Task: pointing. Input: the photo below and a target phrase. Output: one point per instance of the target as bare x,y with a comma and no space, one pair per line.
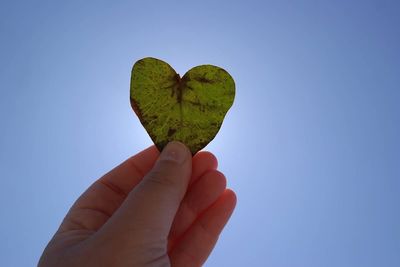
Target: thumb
150,208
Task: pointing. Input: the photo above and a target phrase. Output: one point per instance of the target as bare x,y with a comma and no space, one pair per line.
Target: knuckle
161,177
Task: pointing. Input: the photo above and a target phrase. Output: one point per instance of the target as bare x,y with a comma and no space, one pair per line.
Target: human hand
152,210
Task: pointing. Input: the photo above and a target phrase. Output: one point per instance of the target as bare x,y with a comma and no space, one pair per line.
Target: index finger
97,204
123,178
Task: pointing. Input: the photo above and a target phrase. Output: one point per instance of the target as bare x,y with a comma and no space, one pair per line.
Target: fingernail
174,151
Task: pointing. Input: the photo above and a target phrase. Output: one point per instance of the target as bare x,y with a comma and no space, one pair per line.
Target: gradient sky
311,144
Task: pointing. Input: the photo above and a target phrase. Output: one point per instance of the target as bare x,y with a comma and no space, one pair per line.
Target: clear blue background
311,145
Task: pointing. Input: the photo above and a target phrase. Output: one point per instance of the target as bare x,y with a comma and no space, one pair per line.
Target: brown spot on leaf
171,131
136,109
153,117
204,80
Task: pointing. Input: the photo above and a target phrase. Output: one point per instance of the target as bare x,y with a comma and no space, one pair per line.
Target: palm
199,220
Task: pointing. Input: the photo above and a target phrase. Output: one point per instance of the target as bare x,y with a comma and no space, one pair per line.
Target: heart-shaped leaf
188,109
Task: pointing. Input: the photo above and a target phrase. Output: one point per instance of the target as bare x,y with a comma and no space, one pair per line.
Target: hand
152,210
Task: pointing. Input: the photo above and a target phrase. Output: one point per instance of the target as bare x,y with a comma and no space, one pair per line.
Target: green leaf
188,109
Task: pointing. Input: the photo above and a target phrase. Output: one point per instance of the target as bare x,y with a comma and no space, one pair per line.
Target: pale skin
151,210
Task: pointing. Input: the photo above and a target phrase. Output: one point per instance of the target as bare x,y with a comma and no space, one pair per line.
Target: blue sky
311,144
